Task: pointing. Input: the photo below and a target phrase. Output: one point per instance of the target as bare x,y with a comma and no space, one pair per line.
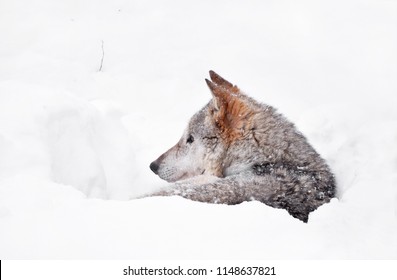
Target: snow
76,142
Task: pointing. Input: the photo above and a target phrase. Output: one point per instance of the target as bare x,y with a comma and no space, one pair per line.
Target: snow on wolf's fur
254,151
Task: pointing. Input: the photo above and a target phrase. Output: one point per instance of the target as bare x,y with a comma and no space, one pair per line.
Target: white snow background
76,142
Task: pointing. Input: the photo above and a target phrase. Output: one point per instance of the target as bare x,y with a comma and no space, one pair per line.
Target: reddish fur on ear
219,81
231,115
234,119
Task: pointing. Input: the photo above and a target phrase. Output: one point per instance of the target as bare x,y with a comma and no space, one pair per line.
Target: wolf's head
205,142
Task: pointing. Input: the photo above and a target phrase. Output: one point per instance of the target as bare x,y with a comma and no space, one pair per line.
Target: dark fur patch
298,186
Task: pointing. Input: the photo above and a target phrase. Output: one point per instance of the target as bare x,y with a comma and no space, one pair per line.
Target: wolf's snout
154,167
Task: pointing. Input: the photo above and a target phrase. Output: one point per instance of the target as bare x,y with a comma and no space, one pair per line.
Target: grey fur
271,161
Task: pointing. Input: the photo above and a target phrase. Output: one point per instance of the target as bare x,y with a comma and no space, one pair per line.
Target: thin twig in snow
103,55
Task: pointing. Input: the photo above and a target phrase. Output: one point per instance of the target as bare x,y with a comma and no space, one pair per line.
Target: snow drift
69,140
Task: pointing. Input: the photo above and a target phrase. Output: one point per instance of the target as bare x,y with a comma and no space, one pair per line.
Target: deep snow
76,143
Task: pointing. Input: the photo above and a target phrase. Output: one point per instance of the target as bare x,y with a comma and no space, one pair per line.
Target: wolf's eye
190,139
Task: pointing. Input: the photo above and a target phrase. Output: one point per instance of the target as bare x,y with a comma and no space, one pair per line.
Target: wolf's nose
154,167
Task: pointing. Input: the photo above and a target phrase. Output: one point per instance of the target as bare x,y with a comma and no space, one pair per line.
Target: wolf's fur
254,153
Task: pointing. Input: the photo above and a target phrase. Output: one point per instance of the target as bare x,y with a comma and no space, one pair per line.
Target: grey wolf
250,152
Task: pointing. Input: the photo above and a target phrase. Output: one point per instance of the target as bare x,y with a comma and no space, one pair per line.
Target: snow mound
65,139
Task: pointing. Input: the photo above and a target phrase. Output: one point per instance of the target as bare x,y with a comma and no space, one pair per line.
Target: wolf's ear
221,90
219,94
219,80
232,115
